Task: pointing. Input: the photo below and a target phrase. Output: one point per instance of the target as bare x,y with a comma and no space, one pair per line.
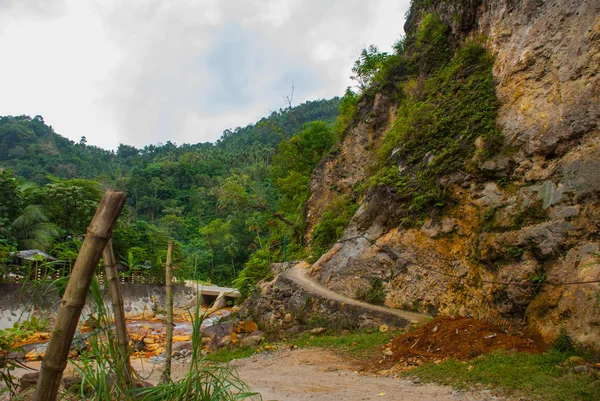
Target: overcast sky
144,71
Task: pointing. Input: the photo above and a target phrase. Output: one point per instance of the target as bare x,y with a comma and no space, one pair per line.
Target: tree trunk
112,279
169,284
98,234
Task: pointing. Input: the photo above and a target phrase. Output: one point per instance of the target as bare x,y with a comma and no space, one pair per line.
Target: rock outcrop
528,218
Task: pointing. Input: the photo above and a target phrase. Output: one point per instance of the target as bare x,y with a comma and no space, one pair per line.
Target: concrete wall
149,299
19,302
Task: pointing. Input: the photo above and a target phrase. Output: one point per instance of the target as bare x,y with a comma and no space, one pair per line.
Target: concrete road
299,276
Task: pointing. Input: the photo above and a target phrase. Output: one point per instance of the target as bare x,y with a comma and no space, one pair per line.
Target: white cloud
148,71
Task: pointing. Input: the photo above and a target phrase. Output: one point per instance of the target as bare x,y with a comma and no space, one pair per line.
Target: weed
316,321
514,252
375,294
563,342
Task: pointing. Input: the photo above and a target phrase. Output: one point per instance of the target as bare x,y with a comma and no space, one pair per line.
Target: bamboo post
73,301
112,280
169,287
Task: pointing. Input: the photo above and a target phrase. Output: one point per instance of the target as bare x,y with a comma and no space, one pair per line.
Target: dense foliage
221,202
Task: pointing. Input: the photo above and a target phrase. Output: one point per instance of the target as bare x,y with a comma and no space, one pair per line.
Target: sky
143,72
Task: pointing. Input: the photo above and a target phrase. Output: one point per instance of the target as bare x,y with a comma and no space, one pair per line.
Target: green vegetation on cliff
445,119
439,121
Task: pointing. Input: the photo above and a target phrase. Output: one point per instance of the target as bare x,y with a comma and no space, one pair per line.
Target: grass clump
545,376
375,294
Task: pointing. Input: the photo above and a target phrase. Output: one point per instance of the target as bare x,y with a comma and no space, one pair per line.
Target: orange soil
446,337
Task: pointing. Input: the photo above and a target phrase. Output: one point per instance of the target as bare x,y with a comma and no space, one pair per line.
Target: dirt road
312,374
299,276
319,375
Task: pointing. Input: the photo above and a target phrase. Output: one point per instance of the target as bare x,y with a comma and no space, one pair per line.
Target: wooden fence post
73,301
112,280
169,287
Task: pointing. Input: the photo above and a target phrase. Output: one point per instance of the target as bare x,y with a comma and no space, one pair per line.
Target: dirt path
312,374
299,276
319,375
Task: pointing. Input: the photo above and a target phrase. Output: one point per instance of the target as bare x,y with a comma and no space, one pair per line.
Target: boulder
252,341
37,353
225,341
295,330
218,331
186,345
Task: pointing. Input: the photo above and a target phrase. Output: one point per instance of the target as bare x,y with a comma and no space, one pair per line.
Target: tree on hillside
71,204
215,234
367,65
238,192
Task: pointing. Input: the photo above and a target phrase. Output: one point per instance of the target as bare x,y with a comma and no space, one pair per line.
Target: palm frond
31,215
32,229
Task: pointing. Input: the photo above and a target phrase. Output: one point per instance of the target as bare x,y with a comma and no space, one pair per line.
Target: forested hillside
221,202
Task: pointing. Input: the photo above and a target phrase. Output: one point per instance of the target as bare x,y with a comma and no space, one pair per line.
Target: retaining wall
20,301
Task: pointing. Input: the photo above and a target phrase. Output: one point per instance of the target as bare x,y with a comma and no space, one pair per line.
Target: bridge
212,295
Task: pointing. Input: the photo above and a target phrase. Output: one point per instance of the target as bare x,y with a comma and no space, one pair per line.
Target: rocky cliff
504,227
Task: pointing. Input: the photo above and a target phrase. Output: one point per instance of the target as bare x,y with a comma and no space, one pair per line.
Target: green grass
228,354
355,344
537,377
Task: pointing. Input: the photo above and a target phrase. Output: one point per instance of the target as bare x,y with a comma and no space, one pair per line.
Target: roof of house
33,254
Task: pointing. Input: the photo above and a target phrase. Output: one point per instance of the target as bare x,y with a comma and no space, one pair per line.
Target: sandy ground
320,375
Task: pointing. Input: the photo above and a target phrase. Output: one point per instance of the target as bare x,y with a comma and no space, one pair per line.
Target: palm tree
32,230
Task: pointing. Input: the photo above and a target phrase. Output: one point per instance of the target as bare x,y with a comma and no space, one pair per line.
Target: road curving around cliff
298,275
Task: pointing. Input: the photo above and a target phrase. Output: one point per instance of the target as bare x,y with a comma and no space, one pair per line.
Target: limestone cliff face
531,215
341,171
